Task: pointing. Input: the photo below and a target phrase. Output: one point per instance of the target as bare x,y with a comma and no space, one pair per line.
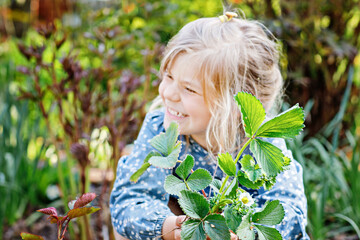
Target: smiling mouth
176,114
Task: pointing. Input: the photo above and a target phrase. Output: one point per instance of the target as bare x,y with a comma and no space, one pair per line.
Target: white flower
246,199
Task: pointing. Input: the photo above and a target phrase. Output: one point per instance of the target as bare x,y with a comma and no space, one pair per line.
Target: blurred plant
74,100
331,175
77,208
21,159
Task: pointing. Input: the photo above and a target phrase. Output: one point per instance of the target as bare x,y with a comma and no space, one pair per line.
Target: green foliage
216,227
269,157
251,169
240,215
286,125
184,169
29,236
199,179
144,166
21,159
193,229
253,112
194,204
266,233
331,175
272,214
165,143
227,165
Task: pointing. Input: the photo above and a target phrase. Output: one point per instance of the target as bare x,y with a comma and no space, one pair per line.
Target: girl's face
182,95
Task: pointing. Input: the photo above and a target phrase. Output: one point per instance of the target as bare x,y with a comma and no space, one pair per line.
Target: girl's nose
172,92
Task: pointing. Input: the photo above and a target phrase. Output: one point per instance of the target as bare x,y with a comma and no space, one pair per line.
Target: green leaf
272,213
233,218
252,112
216,185
269,157
194,204
244,181
136,175
231,190
174,185
192,230
167,161
245,231
269,183
227,164
286,125
78,212
165,143
216,228
251,169
29,236
184,169
199,179
222,203
268,233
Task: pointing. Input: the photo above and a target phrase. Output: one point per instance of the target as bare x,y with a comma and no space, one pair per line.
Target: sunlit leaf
252,112
251,169
78,212
269,157
244,180
231,190
227,164
29,236
286,125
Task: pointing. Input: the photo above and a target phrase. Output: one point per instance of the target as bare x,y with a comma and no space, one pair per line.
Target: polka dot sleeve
138,210
289,189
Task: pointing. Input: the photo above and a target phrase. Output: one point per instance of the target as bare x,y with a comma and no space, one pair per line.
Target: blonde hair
232,56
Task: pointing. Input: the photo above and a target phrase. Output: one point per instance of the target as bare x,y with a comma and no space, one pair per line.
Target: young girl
204,66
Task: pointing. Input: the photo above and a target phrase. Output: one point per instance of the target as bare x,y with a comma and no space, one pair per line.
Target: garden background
76,78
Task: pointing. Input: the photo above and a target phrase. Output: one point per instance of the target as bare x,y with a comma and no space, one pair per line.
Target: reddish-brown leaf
84,199
53,219
29,236
49,211
78,212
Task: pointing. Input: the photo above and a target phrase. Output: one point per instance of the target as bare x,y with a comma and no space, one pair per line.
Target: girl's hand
172,228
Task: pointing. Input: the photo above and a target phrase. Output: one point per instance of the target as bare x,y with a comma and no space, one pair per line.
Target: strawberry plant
231,208
78,208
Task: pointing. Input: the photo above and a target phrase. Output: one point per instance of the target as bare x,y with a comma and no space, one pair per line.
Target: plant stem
236,160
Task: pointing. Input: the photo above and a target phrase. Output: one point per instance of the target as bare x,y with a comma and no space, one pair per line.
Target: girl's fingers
179,220
233,236
177,234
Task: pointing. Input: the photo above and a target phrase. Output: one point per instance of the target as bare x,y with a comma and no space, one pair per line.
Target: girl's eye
190,90
167,75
